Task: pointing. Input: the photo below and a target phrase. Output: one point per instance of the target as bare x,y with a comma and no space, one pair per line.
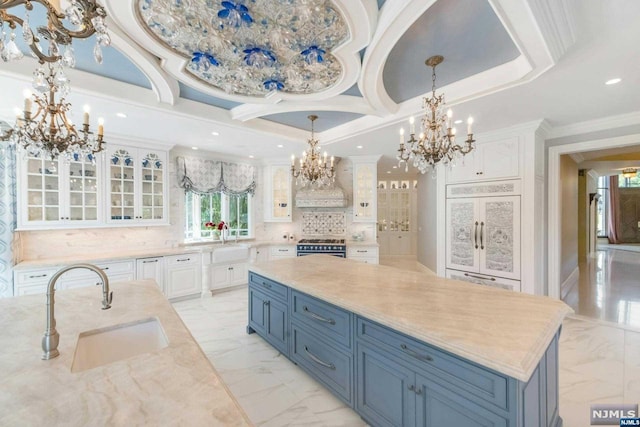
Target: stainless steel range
335,247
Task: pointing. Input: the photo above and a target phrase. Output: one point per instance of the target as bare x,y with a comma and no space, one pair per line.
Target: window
628,182
235,211
602,208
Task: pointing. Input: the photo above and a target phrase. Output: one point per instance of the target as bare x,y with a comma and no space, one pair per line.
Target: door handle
482,235
318,317
317,360
475,235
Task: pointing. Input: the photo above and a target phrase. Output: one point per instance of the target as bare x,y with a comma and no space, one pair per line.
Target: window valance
203,176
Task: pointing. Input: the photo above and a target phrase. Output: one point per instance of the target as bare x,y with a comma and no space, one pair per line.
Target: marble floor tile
608,288
599,363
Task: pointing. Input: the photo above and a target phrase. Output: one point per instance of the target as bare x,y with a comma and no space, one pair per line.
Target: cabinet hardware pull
266,285
39,275
493,279
147,262
283,250
105,268
318,361
318,317
411,387
475,235
184,259
266,302
418,391
415,354
481,235
362,252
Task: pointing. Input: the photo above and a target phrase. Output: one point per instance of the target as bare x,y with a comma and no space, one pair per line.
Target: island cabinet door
437,405
276,325
385,390
257,310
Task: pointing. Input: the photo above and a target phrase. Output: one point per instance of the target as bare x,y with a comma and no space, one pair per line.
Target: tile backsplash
324,223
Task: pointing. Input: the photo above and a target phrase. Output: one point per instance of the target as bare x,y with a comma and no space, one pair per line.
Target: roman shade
204,176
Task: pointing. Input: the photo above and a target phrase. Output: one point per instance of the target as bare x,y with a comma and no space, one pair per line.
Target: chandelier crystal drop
314,170
48,132
436,143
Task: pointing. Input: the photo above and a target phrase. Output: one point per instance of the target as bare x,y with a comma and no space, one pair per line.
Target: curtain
613,225
203,176
8,203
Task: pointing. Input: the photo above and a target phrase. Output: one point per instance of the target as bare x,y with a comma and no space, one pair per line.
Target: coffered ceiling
377,76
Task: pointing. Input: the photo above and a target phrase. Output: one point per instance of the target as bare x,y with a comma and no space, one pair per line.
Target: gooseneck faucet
51,338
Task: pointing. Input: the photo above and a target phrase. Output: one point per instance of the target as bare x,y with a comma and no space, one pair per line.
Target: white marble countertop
502,330
173,386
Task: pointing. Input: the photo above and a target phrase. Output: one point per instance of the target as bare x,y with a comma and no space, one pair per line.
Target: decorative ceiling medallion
252,47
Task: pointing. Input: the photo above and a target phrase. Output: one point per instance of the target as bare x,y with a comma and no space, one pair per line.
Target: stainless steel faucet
51,338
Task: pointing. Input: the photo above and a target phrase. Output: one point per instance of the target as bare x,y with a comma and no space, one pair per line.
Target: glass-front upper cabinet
136,185
277,199
58,193
365,184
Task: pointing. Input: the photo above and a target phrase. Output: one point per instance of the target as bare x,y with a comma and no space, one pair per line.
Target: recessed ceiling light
251,156
359,146
214,133
613,81
194,148
457,122
395,167
280,145
121,115
388,171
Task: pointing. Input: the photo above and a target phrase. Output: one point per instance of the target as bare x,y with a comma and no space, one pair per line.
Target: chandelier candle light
314,169
49,132
436,142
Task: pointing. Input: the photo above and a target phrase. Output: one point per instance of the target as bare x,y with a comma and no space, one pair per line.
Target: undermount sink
229,253
107,345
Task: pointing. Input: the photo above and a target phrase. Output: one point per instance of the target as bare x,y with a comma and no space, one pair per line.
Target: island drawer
462,374
330,321
329,365
268,286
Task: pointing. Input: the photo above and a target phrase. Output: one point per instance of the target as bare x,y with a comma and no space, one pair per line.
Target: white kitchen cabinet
227,275
282,251
118,271
59,193
151,268
32,281
478,279
365,184
490,160
483,236
183,275
396,218
277,193
137,186
366,254
259,254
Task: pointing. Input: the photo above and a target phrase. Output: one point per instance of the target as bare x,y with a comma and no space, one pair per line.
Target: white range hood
321,198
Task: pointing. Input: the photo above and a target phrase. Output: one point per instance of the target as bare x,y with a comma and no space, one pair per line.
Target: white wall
427,225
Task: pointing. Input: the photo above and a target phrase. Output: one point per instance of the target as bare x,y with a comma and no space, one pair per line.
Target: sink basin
107,345
229,253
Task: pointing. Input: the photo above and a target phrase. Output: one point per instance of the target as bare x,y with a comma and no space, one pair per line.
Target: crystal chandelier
313,169
436,142
48,132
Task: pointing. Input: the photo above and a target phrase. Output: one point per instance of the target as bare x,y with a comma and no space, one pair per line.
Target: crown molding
556,25
611,122
577,157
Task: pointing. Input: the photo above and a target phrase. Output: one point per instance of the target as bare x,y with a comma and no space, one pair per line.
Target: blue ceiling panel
467,33
187,92
353,91
326,119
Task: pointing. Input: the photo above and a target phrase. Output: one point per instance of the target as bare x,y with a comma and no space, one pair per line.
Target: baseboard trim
569,283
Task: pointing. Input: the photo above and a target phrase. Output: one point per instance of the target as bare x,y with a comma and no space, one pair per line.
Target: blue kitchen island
409,349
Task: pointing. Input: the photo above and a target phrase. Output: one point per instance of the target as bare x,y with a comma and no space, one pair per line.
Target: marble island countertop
175,385
502,330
